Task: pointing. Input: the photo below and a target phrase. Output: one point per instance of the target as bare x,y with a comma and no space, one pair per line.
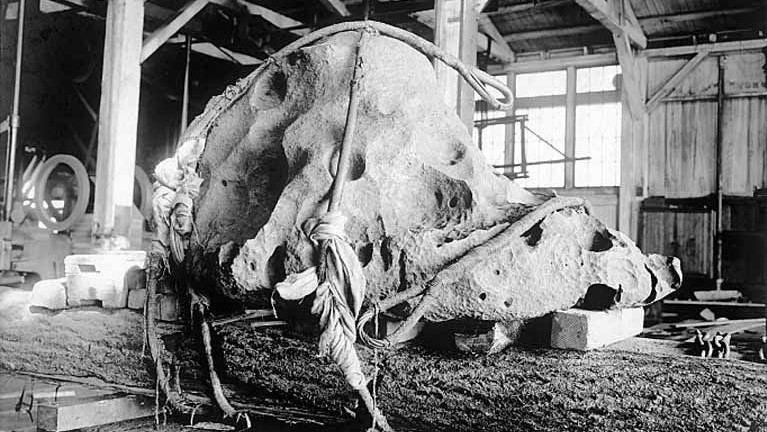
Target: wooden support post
118,117
508,153
673,82
570,127
633,150
628,62
455,31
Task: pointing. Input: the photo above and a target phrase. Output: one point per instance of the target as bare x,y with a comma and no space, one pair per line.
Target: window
598,127
542,107
491,138
544,141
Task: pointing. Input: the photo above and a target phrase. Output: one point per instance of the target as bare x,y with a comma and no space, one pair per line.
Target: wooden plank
82,413
171,27
612,14
675,80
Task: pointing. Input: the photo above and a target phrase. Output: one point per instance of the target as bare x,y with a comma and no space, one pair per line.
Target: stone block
50,294
584,330
136,299
104,277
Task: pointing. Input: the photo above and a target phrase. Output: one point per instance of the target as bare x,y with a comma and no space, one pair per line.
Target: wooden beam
497,50
552,32
455,31
337,7
90,412
669,86
631,86
171,27
713,48
502,49
118,118
693,16
533,6
588,60
275,18
615,16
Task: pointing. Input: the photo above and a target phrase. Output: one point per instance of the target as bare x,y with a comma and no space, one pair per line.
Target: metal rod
543,162
185,98
13,136
719,138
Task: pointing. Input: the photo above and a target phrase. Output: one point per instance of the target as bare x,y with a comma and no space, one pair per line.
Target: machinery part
145,188
83,193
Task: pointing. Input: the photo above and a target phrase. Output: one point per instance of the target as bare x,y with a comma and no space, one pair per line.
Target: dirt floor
636,385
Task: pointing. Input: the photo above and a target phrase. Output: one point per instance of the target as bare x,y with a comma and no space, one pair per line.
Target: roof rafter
618,17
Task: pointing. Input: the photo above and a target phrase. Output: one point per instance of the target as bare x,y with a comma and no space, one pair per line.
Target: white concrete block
136,299
101,277
49,294
585,330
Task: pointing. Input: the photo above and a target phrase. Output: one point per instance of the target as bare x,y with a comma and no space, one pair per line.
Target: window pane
549,124
492,138
598,135
597,79
542,84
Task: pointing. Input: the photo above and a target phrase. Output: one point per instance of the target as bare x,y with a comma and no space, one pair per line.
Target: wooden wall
682,131
680,155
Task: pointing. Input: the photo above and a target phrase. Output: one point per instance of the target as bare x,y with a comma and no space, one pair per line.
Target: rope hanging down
338,280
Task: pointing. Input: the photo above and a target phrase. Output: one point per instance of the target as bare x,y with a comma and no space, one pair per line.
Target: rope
458,267
338,297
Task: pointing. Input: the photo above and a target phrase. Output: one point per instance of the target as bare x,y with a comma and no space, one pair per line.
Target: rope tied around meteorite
339,285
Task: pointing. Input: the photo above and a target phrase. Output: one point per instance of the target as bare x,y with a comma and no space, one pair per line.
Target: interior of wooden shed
653,111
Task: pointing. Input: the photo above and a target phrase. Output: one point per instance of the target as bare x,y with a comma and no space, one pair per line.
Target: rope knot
329,227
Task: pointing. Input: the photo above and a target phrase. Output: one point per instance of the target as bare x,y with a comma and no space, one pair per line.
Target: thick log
277,373
521,389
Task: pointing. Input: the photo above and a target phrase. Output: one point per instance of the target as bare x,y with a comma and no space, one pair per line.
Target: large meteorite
430,222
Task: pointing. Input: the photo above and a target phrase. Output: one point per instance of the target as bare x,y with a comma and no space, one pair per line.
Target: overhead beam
530,6
712,48
275,18
337,7
502,49
669,86
499,49
528,66
693,16
552,32
616,16
171,27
